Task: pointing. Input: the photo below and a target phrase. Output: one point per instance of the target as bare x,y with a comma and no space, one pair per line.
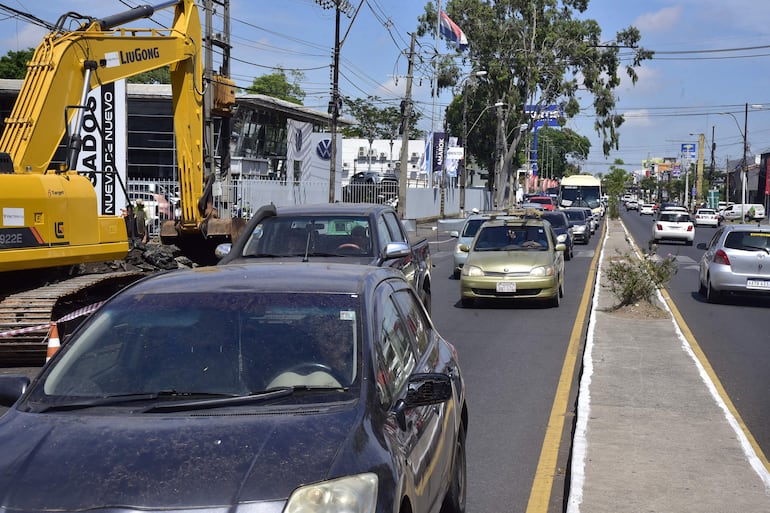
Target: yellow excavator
49,215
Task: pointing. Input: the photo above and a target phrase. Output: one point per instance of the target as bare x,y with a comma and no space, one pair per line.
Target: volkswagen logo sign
324,149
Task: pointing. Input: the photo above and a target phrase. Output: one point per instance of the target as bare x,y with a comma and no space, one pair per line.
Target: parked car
581,226
327,233
735,262
513,259
371,187
675,226
261,387
647,209
707,217
744,211
561,226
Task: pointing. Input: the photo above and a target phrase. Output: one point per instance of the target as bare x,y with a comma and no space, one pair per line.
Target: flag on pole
452,32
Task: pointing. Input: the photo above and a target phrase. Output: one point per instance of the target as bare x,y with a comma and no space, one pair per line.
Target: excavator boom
49,216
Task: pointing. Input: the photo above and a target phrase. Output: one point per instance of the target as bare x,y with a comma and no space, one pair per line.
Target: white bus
581,190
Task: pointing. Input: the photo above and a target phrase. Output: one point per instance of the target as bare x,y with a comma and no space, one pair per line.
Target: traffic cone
53,341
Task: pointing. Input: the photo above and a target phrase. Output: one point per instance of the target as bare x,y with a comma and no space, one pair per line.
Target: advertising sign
102,158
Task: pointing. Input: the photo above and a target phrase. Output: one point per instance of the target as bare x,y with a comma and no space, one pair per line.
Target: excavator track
25,317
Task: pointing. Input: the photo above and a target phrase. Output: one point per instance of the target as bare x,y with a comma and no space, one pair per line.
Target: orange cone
53,341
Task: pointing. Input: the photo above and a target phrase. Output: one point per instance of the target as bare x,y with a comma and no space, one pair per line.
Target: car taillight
720,257
660,226
690,228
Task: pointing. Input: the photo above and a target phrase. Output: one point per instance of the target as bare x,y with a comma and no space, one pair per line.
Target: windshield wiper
265,395
111,400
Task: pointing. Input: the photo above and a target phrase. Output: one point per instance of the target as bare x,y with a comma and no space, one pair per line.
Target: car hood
510,261
67,462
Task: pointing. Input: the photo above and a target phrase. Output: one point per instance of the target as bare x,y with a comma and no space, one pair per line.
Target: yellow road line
540,494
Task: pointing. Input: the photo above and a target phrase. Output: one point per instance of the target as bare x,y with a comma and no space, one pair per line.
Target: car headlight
545,270
350,494
562,238
473,270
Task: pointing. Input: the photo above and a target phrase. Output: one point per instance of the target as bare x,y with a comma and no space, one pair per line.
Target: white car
673,225
647,209
707,217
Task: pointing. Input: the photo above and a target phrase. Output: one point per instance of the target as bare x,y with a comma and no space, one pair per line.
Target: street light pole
463,170
745,170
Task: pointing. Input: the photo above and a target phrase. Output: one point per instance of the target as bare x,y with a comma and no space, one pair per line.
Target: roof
267,278
160,91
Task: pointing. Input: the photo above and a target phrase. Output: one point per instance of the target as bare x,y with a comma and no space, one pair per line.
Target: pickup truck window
394,227
293,236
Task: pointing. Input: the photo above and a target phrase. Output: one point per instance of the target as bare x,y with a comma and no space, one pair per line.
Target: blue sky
712,57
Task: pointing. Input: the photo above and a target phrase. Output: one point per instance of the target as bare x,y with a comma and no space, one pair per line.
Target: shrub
632,279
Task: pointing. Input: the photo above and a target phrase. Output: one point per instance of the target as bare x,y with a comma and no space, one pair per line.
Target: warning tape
73,315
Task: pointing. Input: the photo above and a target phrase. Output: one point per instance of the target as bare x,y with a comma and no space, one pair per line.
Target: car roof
344,209
266,277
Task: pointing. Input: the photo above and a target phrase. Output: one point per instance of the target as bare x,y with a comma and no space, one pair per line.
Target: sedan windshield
173,347
506,238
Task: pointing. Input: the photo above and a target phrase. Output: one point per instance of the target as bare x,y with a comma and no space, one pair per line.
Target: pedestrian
750,214
141,222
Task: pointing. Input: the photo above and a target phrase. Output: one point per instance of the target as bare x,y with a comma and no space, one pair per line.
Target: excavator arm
50,217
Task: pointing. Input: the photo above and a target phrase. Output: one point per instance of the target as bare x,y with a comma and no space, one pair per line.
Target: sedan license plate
506,286
758,284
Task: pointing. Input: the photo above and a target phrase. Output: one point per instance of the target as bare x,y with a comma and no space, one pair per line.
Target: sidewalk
653,434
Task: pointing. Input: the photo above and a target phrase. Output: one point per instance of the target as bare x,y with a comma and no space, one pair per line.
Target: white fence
246,196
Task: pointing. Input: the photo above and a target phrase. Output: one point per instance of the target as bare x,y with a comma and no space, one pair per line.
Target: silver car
737,260
465,236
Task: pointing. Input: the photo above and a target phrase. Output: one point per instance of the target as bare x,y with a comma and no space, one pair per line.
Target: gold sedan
513,259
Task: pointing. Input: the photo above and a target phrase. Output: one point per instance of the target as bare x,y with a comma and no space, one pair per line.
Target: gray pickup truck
365,233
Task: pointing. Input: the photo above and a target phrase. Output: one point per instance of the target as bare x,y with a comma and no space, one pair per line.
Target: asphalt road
734,336
512,355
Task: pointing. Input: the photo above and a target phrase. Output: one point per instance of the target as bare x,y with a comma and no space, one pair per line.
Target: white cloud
26,36
660,21
637,118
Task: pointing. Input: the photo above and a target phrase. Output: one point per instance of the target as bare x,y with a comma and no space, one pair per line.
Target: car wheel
454,502
466,302
712,295
688,242
701,288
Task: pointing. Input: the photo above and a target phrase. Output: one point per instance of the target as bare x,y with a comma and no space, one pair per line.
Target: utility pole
699,188
406,113
335,104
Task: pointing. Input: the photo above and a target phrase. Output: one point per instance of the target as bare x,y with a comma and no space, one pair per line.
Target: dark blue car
561,226
281,387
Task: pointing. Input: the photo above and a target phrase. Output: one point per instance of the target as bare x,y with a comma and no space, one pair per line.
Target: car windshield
191,345
556,220
507,238
471,227
575,215
283,236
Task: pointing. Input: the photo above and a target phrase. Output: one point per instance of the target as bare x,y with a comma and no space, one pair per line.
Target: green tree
277,85
536,53
155,76
614,184
14,64
376,122
556,147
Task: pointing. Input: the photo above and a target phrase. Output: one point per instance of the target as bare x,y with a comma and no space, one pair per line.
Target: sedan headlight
473,270
545,270
351,494
562,238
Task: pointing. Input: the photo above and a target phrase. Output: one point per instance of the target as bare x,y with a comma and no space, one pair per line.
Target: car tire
701,288
688,242
454,501
713,295
466,302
